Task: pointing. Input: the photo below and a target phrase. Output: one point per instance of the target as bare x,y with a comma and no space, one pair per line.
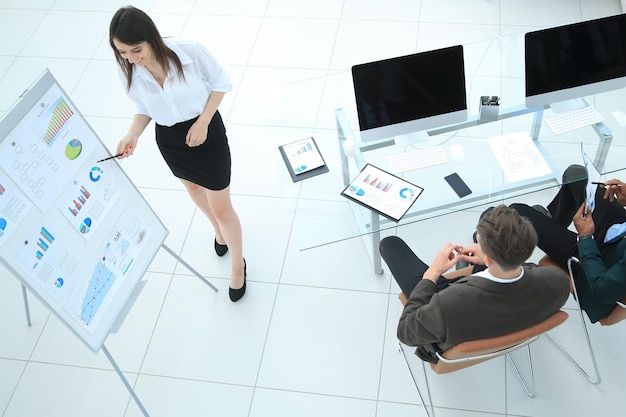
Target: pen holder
488,109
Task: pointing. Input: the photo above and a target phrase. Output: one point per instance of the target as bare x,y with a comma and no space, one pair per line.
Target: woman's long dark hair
132,26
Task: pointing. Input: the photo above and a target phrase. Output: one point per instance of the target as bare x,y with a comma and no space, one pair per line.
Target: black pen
606,185
110,157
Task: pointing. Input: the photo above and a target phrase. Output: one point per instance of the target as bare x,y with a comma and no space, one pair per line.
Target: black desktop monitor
576,60
410,94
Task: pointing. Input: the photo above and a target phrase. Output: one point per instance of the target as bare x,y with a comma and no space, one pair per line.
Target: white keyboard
412,160
572,120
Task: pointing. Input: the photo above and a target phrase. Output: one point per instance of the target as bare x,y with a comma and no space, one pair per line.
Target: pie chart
356,190
95,174
85,225
407,193
3,226
73,149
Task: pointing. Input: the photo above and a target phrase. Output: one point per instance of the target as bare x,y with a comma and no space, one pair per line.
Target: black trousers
406,268
555,239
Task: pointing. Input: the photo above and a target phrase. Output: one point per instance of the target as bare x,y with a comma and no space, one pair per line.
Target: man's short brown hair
506,237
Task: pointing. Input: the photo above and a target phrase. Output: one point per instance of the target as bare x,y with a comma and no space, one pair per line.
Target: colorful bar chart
379,185
79,201
305,148
46,235
59,115
43,243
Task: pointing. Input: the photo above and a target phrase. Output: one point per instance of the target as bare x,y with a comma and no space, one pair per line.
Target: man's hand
584,223
615,190
472,254
445,259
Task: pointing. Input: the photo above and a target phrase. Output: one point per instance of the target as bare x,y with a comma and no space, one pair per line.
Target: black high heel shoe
236,294
220,249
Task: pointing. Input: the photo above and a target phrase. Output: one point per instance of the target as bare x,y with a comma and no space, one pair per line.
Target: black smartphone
458,185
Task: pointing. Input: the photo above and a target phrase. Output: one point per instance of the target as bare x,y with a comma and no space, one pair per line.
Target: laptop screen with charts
385,193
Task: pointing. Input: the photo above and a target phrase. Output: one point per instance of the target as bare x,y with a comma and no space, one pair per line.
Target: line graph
99,285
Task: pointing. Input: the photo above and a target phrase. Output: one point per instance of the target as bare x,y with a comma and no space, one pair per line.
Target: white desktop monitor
576,60
399,97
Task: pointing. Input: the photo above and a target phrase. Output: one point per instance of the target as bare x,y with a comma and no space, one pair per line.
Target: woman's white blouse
180,99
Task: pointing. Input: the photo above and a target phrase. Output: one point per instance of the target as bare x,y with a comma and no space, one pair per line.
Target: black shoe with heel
236,294
220,249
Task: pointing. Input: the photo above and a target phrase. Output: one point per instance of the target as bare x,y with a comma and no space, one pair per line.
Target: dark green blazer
603,278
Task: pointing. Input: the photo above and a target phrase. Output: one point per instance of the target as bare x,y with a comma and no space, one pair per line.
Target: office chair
617,315
471,353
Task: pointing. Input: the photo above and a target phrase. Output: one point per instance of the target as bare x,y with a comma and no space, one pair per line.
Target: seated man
502,298
600,243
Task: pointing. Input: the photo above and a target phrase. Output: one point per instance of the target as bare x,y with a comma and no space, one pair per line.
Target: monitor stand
567,105
411,138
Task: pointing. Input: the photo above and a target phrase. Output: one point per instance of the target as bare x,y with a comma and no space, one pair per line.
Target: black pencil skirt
208,165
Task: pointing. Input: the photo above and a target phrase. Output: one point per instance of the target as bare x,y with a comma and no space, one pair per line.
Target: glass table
493,68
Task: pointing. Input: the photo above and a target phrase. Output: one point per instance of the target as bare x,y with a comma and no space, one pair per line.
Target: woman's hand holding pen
615,190
126,146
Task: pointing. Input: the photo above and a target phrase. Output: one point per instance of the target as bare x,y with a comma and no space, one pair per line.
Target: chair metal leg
531,391
430,413
593,379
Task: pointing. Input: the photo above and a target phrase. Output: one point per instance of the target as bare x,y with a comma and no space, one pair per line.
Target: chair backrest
403,298
473,352
547,261
618,314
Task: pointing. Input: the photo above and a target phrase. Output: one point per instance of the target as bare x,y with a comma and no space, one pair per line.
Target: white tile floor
315,334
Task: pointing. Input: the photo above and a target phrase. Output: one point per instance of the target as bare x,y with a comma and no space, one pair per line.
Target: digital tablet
303,159
385,193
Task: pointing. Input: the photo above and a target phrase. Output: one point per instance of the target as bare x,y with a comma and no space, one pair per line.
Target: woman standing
179,85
